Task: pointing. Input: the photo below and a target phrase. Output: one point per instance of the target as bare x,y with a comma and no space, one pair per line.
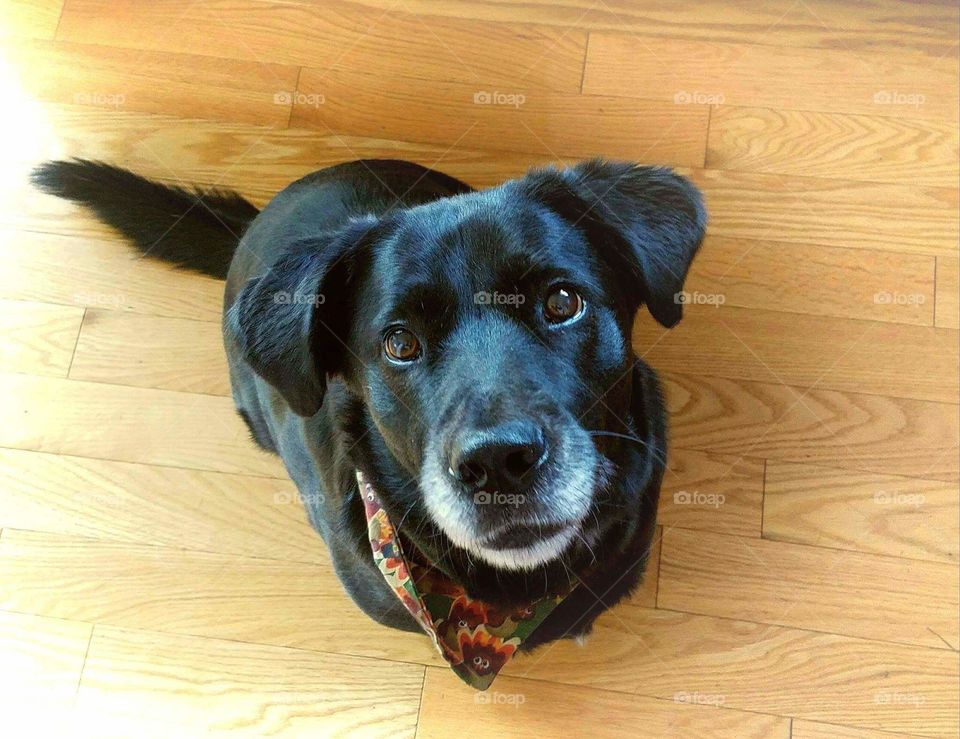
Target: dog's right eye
563,305
401,345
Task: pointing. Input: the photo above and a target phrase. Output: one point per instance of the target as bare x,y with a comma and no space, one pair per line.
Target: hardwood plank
514,707
161,506
825,24
806,351
256,160
861,511
823,281
340,36
38,338
188,85
149,351
900,84
208,685
536,121
42,661
837,429
757,667
838,591
101,273
29,18
814,730
852,147
88,419
712,492
263,601
831,212
948,288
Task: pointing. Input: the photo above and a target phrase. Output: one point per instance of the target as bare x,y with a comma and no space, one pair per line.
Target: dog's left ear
291,323
647,222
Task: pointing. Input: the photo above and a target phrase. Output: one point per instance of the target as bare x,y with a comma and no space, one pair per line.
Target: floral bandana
476,638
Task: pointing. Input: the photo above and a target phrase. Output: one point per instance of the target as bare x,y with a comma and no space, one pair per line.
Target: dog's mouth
518,531
523,535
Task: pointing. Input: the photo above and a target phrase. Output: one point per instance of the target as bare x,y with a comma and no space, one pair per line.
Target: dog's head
488,336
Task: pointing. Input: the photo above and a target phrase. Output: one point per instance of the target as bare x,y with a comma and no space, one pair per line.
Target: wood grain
161,506
537,121
806,351
89,419
712,492
550,710
838,591
188,85
823,281
101,273
904,84
880,514
29,18
340,36
140,586
42,660
853,147
38,338
816,730
831,212
756,667
823,24
827,427
948,292
218,686
149,351
257,161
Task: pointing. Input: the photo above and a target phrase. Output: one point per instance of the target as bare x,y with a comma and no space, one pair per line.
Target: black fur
342,255
196,230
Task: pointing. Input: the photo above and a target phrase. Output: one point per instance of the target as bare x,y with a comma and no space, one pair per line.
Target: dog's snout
502,458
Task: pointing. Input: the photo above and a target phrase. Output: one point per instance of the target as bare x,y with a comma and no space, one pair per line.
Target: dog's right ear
291,323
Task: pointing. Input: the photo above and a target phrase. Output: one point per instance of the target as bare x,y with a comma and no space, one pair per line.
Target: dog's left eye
563,304
401,344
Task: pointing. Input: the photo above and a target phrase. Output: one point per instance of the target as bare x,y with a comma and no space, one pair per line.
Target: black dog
383,317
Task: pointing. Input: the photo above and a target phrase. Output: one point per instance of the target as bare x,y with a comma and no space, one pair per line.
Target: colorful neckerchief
476,638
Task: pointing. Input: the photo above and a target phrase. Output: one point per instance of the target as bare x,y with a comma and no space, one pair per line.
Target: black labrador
468,351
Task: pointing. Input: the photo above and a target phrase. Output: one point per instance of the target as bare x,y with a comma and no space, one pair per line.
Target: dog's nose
502,458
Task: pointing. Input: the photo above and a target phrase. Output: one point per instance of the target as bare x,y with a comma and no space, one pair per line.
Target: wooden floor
157,576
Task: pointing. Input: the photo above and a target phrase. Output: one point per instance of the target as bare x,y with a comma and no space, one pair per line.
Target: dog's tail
196,230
